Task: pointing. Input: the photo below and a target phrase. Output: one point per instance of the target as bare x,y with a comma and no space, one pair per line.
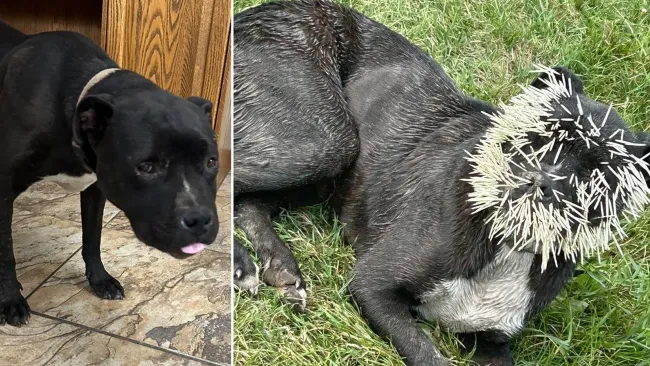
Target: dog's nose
537,181
197,220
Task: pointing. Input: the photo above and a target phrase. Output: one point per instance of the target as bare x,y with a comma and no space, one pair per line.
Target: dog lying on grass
332,106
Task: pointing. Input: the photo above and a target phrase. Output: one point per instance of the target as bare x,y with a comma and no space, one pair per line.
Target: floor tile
49,342
119,222
48,198
41,244
182,305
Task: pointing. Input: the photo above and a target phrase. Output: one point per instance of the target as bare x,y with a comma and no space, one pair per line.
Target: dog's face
577,157
573,180
155,157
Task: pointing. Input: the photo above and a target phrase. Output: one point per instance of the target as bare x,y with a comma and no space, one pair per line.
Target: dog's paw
107,288
282,272
246,272
247,281
295,296
14,311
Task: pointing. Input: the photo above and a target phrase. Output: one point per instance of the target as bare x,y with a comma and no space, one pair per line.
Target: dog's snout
547,190
197,220
538,182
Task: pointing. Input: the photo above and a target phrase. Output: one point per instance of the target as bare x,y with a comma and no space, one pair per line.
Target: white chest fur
72,184
496,298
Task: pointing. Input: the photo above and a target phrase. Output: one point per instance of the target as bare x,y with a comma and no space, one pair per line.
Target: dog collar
94,80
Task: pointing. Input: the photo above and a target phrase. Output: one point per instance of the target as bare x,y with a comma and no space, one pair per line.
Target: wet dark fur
124,120
330,104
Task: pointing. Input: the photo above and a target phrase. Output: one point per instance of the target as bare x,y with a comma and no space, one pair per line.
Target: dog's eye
146,167
154,166
212,162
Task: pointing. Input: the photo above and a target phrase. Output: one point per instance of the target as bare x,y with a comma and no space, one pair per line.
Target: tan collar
95,79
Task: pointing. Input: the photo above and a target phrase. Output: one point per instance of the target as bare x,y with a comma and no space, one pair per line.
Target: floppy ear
91,118
204,104
576,83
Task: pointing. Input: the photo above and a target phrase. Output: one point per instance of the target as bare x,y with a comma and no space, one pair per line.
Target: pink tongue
193,248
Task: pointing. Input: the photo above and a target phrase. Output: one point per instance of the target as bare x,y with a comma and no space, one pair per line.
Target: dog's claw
290,285
108,288
295,296
14,312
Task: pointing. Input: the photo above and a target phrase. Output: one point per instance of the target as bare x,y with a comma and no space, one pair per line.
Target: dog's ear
204,104
570,79
92,116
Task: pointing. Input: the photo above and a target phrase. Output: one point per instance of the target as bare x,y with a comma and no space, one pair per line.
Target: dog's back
271,129
9,38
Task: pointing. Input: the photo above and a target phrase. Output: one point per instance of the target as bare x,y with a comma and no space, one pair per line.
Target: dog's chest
497,298
72,184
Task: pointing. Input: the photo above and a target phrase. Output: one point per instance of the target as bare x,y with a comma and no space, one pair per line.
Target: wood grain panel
34,16
204,42
156,38
218,80
216,53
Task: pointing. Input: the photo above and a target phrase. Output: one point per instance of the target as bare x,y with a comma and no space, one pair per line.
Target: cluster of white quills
526,220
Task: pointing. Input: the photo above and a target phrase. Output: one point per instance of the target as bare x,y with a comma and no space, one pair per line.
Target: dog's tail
10,37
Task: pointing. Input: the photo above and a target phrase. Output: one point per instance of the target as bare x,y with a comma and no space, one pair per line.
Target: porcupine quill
525,220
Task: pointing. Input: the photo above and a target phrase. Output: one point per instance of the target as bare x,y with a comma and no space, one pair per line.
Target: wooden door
35,16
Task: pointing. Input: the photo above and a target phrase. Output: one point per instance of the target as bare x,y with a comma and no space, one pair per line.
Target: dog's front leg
253,215
92,210
14,309
389,315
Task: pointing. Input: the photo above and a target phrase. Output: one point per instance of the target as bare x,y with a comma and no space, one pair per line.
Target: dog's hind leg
487,351
254,214
291,129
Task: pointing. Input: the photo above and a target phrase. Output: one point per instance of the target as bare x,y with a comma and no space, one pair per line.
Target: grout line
157,348
104,226
53,272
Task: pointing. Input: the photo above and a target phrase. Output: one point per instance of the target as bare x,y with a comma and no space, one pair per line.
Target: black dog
330,104
69,115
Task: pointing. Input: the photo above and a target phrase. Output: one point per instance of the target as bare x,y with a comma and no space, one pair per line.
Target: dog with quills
460,212
70,115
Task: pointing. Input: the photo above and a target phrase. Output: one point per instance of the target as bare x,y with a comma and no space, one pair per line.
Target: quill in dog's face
575,179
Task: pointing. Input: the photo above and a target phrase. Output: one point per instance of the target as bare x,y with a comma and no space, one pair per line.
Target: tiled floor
175,312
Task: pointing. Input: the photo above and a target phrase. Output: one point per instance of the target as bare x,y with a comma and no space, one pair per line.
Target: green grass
487,47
